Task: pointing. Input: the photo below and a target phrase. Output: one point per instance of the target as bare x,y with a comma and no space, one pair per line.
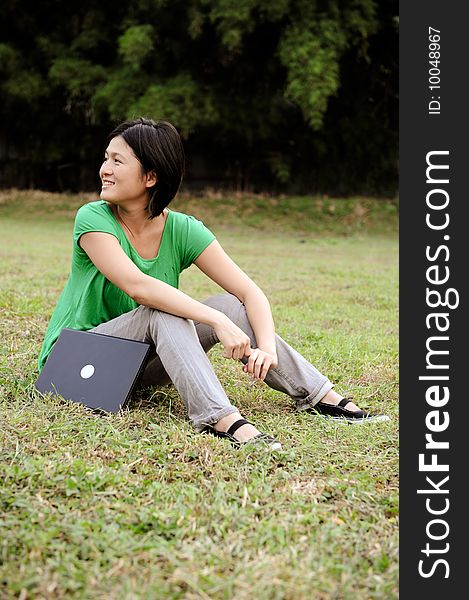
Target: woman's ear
151,179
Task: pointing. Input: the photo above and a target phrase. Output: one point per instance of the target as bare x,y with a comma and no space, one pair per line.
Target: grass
137,505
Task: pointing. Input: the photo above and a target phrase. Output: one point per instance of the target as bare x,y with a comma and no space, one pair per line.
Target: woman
129,250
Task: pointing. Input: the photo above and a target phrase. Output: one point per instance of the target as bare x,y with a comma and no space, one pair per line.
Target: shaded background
291,96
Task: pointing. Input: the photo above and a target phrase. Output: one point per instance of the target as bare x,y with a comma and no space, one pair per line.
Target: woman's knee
226,303
160,320
235,310
155,314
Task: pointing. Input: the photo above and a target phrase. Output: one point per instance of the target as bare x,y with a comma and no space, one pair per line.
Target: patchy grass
302,215
137,505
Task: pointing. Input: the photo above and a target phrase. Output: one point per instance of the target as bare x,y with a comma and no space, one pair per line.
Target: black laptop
96,370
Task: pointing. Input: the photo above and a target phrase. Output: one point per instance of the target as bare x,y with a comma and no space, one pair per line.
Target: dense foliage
268,94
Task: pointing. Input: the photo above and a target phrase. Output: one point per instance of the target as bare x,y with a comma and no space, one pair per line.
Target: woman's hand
237,345
259,362
235,342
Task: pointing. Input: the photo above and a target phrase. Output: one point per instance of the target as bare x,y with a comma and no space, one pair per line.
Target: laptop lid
96,370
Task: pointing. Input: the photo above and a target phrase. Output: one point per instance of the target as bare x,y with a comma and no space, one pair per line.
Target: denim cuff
315,396
199,424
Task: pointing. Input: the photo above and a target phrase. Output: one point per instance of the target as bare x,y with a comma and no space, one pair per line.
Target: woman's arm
108,257
217,265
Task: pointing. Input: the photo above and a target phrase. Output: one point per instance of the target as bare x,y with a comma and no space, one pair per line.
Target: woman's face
122,175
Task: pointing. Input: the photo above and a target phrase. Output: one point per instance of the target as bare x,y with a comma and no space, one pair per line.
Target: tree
262,88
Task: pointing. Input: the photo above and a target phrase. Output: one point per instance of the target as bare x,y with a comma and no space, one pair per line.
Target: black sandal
338,412
260,438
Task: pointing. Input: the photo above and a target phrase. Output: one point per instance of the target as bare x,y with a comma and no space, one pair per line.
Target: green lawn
138,505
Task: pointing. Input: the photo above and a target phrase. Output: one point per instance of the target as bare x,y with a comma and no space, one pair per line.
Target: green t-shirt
90,299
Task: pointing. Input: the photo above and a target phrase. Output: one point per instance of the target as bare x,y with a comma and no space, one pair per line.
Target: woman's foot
243,434
333,398
240,432
336,407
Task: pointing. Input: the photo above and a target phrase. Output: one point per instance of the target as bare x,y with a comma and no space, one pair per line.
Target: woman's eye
117,161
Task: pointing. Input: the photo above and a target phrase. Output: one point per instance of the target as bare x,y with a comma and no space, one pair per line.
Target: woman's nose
106,168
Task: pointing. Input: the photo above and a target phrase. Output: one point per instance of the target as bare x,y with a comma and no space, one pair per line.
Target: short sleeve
90,217
197,237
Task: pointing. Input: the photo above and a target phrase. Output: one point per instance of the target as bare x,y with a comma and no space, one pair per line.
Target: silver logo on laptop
87,372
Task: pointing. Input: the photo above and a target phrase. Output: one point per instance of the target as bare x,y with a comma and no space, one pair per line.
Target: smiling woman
121,173
129,250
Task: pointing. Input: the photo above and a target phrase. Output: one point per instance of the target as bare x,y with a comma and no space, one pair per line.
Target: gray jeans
179,349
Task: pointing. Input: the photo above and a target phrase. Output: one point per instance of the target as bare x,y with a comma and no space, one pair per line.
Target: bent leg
178,357
294,375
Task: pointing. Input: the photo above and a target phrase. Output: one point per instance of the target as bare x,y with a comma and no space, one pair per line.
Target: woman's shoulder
95,207
190,233
183,220
95,216
95,212
178,216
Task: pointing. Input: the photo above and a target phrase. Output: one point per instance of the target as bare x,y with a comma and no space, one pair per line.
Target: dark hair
158,147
